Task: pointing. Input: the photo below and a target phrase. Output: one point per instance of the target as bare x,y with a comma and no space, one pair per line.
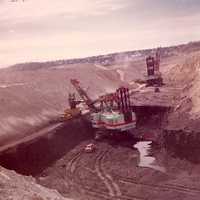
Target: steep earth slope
186,75
31,98
18,187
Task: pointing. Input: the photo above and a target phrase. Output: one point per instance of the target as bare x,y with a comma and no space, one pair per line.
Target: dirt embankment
186,75
18,187
182,133
31,158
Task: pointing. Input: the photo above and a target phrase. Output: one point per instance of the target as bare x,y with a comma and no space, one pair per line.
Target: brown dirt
112,172
17,187
186,114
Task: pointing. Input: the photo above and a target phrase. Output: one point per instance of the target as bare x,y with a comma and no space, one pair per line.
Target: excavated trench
183,144
33,157
153,116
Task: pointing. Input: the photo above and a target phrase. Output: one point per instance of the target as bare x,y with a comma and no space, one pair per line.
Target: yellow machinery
71,113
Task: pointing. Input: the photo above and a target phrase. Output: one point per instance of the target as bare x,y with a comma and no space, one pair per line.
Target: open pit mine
122,126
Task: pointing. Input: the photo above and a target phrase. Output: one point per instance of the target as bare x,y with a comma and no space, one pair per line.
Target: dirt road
112,172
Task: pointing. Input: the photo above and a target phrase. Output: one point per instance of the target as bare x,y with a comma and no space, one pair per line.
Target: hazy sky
36,30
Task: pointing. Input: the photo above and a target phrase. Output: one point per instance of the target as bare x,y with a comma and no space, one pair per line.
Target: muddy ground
119,170
113,172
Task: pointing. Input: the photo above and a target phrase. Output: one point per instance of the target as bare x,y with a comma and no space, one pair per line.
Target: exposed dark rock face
183,144
33,157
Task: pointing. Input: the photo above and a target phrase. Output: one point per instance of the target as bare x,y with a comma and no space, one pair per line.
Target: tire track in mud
71,165
70,168
184,188
74,177
113,188
164,187
111,191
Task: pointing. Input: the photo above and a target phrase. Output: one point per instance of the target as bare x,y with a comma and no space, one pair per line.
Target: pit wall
153,116
31,158
183,144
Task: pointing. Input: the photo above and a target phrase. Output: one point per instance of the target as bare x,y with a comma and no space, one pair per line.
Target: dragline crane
114,112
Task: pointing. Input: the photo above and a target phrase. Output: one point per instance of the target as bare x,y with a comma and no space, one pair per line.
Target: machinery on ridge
153,70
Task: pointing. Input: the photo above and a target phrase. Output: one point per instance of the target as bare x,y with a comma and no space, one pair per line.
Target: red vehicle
90,148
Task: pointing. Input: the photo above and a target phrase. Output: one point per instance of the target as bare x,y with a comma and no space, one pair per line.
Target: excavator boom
83,94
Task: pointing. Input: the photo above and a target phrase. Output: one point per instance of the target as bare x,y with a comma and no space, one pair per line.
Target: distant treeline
110,59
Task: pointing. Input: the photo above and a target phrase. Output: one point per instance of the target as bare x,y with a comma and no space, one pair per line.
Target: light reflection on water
144,148
11,85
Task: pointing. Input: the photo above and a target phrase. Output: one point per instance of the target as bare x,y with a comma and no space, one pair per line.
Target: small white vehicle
89,148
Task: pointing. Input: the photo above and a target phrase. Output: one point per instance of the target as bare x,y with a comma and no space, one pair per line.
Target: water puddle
146,160
11,85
